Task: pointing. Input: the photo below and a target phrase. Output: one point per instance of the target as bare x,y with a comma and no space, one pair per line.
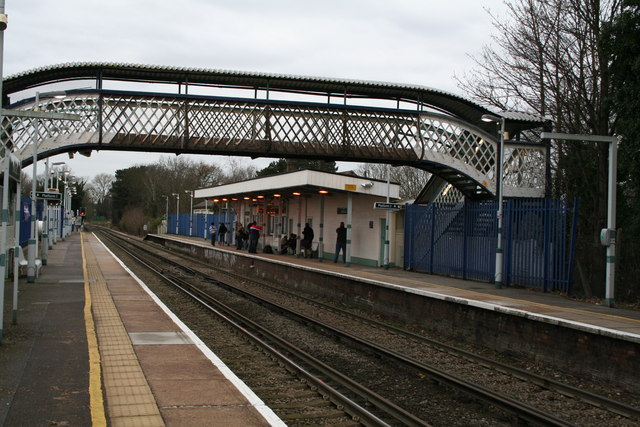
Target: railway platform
547,307
92,347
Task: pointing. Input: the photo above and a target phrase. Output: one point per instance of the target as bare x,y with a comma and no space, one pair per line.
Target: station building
282,204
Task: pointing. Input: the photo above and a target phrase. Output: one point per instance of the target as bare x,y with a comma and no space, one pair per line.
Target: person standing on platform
222,231
241,235
341,243
254,235
307,238
212,232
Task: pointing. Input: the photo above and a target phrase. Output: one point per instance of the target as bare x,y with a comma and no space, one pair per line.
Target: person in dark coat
307,238
221,233
341,243
254,235
241,236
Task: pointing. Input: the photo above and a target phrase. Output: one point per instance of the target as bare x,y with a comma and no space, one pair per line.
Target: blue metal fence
201,223
459,240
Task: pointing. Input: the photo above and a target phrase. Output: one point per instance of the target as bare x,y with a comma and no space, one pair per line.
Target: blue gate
459,240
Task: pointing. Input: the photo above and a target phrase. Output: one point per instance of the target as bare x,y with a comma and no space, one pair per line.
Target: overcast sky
422,42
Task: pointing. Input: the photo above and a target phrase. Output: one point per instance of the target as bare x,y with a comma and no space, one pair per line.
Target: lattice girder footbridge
451,147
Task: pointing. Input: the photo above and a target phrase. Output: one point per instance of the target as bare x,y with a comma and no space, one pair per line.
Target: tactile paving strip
127,393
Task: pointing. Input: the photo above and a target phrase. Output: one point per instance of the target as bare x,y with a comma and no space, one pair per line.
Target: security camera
3,21
367,184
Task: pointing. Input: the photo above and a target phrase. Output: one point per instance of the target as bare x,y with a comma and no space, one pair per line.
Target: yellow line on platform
96,401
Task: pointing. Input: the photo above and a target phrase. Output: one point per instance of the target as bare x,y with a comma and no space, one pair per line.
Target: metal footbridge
196,111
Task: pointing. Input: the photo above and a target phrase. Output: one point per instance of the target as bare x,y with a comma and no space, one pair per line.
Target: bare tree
411,179
101,187
547,58
236,171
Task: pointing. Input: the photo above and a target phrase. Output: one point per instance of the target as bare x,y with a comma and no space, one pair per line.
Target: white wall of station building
283,203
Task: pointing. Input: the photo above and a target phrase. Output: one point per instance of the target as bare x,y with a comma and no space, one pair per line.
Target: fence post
432,243
547,242
572,248
465,234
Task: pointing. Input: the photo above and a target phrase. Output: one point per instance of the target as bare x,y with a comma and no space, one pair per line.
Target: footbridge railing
463,154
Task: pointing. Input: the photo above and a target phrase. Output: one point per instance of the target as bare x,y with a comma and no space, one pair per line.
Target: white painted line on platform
253,399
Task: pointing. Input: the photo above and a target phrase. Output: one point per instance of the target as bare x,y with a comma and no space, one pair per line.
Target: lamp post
387,218
70,193
499,192
607,235
56,219
166,213
177,209
33,238
190,192
5,194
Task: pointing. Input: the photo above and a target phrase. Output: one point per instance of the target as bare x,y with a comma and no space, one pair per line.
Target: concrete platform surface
93,346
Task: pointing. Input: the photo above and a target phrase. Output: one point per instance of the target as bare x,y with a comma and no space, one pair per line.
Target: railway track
400,354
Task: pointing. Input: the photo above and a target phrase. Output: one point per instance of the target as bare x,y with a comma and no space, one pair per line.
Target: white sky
422,42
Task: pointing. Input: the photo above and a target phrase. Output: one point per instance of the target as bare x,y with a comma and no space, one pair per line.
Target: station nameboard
387,206
48,196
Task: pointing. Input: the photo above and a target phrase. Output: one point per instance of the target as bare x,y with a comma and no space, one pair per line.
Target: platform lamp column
52,210
177,196
166,213
206,211
70,194
349,220
46,214
5,194
33,239
387,217
607,235
190,192
57,217
499,191
16,253
63,213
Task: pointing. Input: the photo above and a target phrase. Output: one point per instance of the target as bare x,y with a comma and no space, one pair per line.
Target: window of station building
399,223
271,225
284,225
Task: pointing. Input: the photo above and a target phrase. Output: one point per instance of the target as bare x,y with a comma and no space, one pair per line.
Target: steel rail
245,325
599,401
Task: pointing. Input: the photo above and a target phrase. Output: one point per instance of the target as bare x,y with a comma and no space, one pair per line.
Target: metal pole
16,256
611,223
499,252
45,219
611,202
386,227
321,240
349,219
5,220
177,211
5,193
190,213
206,211
166,214
33,239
